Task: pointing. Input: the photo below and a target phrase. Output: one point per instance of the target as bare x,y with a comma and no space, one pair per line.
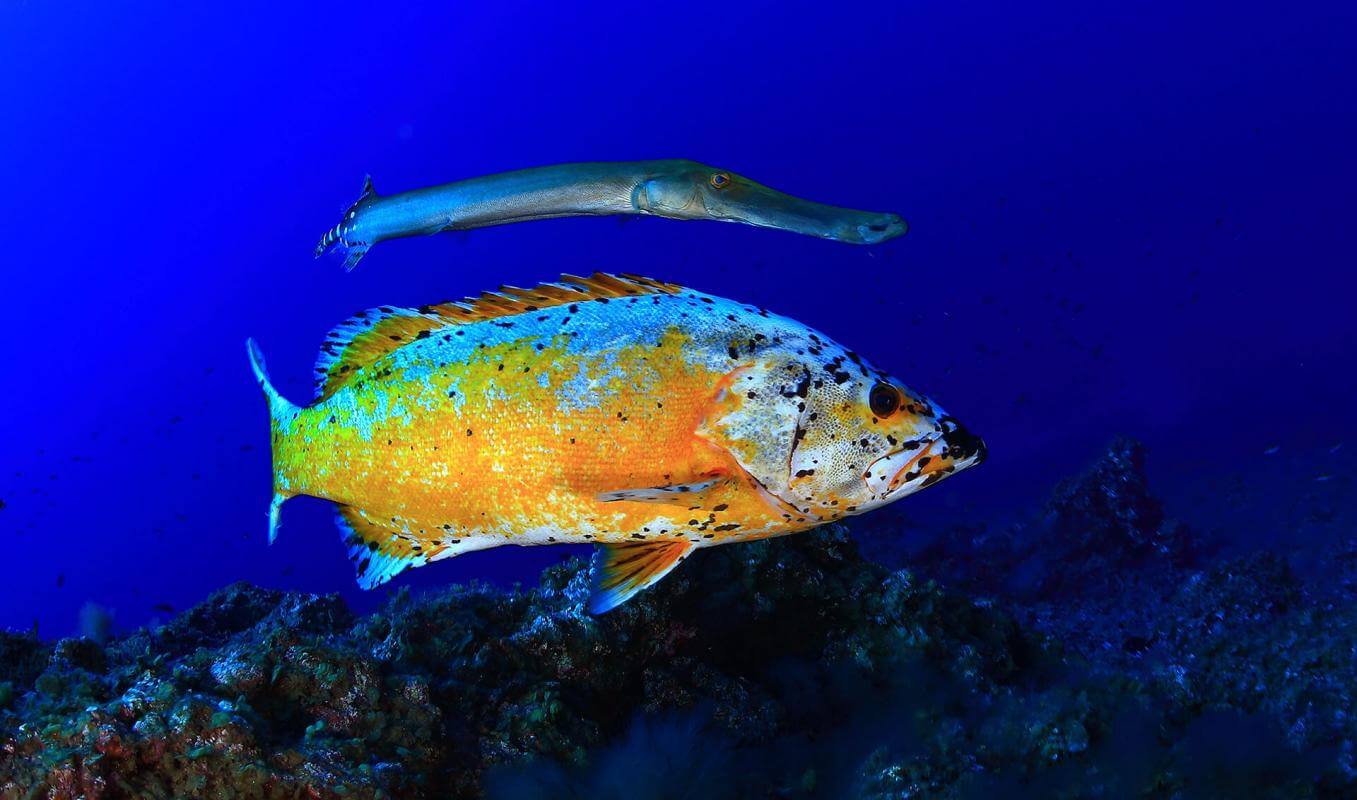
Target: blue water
1127,218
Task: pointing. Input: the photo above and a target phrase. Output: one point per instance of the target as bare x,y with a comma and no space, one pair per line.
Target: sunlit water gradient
1126,218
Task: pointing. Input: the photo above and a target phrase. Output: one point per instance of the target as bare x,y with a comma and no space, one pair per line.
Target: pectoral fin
679,493
619,571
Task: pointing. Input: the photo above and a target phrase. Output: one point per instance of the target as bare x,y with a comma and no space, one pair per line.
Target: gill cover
674,195
756,418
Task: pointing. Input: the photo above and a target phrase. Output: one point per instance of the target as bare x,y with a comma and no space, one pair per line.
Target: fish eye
884,400
720,180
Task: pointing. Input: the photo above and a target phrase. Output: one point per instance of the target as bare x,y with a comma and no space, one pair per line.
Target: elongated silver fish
674,189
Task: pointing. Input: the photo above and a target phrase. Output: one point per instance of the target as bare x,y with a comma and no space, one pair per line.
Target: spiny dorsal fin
372,334
511,300
619,571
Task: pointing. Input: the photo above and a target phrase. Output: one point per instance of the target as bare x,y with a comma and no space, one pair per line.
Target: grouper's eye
720,180
884,400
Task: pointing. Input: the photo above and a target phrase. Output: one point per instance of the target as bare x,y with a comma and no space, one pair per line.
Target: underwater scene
791,400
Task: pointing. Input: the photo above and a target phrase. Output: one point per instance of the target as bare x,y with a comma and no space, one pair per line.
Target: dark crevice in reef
1099,649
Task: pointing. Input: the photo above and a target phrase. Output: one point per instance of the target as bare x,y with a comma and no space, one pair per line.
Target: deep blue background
1127,217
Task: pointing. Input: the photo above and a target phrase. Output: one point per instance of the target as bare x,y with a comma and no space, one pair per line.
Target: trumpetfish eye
884,400
720,180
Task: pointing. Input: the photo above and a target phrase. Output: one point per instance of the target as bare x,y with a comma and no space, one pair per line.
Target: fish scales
662,421
476,431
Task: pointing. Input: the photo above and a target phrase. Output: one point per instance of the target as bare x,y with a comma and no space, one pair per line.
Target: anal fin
378,553
619,571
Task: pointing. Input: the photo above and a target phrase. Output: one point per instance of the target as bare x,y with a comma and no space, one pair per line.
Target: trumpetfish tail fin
279,408
340,236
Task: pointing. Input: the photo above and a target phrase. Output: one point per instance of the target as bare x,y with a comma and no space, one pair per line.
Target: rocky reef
1097,650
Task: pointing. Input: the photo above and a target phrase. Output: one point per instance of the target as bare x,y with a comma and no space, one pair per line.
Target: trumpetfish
673,189
645,418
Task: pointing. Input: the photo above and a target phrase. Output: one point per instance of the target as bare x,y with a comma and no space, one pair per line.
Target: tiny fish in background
640,416
673,189
1273,450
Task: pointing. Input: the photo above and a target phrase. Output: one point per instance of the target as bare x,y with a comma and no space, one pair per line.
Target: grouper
642,417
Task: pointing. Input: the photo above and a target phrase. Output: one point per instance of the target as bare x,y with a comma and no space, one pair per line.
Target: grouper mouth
923,462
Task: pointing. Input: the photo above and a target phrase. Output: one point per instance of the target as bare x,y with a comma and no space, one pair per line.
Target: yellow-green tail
278,408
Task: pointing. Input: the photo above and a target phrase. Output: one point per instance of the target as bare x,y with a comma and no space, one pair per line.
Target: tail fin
341,236
278,407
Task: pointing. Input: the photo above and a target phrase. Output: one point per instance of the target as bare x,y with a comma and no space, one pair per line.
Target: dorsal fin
511,300
372,334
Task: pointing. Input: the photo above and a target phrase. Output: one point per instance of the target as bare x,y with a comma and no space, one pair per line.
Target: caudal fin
278,408
344,238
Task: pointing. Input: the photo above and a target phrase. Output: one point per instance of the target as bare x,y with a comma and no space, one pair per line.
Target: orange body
633,414
488,451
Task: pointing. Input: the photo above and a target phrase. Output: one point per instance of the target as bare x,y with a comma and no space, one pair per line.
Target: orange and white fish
640,416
